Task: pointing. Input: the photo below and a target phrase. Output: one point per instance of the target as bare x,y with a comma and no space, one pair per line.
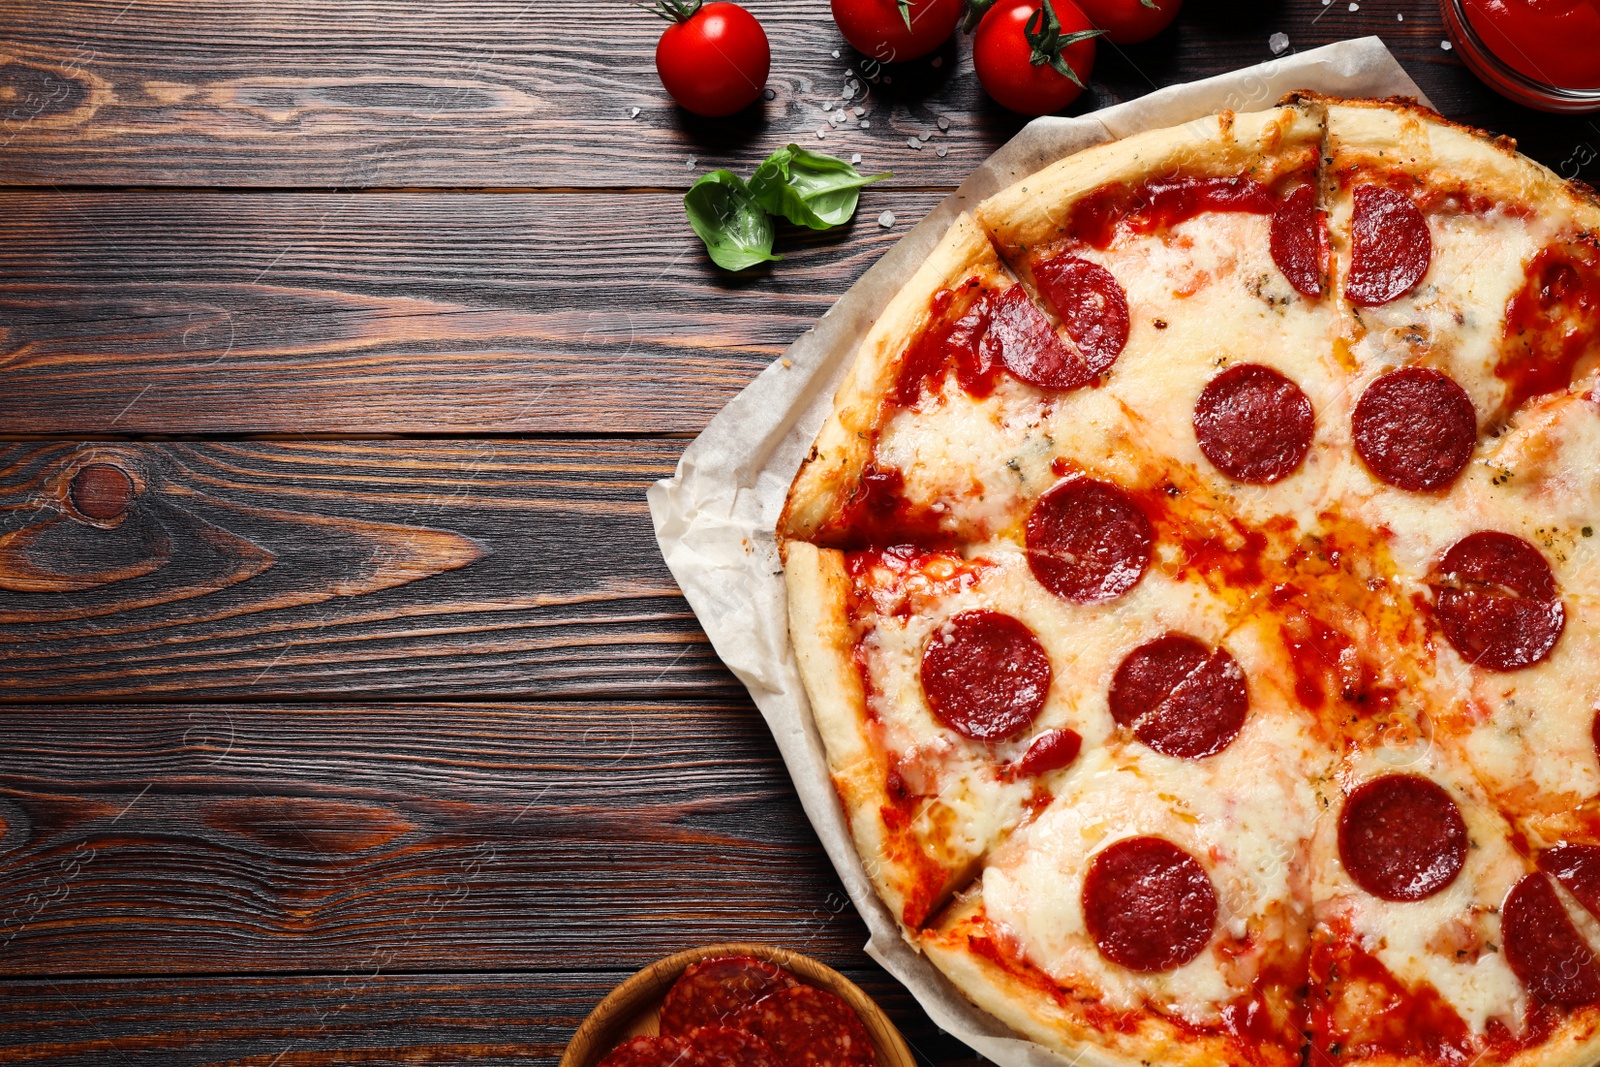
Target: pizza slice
1158,910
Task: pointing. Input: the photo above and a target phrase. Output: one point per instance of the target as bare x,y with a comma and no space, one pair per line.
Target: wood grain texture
497,568
501,93
333,1020
373,839
394,313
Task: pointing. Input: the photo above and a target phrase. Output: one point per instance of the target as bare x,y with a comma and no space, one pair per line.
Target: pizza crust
1034,212
832,469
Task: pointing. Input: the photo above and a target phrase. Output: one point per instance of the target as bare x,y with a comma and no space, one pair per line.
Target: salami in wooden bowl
634,1008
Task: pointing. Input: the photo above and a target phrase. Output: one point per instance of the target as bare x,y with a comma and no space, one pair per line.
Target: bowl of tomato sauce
1542,53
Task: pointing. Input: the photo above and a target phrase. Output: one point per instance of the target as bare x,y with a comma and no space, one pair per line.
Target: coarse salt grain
689,164
1399,16
633,112
865,124
1355,7
886,220
1279,43
1446,45
941,151
914,143
827,105
860,111
835,53
821,135
944,123
855,157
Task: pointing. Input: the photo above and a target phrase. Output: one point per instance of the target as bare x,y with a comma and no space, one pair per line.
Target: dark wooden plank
372,839
393,313
507,94
491,568
519,1020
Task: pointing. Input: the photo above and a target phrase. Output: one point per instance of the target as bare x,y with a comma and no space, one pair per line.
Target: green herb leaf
809,188
737,232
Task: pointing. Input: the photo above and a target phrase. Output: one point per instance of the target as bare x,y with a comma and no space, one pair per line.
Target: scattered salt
914,143
1446,45
827,105
1355,7
633,112
1279,43
1398,17
835,53
860,111
944,123
689,165
886,220
821,135
941,151
865,124
855,157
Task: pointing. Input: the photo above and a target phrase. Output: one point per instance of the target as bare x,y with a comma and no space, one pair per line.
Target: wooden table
352,716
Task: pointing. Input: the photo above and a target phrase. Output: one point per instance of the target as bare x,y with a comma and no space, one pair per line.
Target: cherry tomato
877,28
713,59
1130,21
1004,57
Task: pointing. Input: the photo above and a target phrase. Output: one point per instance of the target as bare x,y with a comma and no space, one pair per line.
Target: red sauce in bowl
1543,53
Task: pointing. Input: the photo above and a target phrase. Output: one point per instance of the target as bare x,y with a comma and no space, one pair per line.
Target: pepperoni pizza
1195,588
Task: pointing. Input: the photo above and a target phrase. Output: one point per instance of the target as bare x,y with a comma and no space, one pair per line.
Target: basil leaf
735,229
809,188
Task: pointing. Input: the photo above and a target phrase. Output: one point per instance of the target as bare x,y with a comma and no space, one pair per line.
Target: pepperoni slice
1402,838
809,1027
1415,429
1050,751
1088,541
1578,868
1253,424
1544,949
1497,601
1180,697
1022,339
1148,904
1389,246
1092,306
713,992
723,1046
653,1052
985,674
1299,240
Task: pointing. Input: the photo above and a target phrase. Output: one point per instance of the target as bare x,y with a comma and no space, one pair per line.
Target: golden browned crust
832,469
1060,1024
1034,213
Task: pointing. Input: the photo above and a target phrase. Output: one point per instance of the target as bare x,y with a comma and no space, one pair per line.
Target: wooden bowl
634,1007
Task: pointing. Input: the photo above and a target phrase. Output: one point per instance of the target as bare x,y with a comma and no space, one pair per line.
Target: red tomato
876,28
1130,21
712,59
1004,57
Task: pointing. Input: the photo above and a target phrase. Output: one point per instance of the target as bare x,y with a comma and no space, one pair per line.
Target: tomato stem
905,13
673,10
973,14
1043,31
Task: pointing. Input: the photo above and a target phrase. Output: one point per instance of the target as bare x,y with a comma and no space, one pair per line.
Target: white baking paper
715,517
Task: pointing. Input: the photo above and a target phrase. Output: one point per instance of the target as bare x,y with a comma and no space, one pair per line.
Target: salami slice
1544,949
1088,541
1253,424
1577,867
1148,904
724,1046
1299,241
809,1027
985,674
1092,306
1497,601
653,1052
1415,428
1390,248
1402,837
1050,751
1180,697
1023,340
713,992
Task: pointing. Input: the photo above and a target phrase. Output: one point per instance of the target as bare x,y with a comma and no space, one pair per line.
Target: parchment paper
714,519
